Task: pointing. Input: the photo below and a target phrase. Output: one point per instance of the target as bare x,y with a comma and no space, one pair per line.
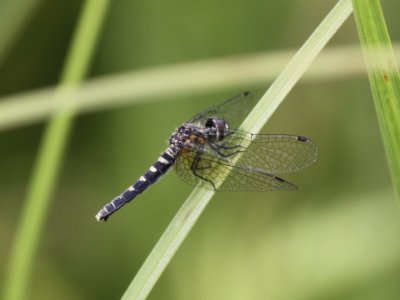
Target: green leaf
383,74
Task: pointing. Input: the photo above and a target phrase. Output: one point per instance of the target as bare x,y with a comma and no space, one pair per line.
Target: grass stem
48,162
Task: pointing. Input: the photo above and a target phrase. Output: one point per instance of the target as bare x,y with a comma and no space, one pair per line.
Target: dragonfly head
216,128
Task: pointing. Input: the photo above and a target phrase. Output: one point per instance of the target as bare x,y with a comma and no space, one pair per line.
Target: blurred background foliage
337,237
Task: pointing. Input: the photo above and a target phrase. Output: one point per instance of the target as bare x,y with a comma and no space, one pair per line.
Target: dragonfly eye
210,123
218,128
216,123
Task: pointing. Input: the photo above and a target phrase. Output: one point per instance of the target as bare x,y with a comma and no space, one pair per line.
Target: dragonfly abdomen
161,166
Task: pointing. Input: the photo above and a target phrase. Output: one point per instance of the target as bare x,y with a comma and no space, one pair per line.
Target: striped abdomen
164,162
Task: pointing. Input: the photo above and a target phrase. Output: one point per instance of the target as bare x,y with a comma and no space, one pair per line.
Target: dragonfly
209,152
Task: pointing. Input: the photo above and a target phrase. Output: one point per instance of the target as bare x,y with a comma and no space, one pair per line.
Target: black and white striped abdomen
161,166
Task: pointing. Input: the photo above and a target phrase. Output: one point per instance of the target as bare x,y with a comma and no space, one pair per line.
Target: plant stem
50,155
383,74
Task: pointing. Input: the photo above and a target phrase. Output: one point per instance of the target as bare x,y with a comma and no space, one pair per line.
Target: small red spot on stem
386,77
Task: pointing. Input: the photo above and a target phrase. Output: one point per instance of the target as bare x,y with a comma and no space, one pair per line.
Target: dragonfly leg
195,166
223,146
217,148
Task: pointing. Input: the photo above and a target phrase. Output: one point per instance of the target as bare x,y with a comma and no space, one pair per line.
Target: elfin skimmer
205,151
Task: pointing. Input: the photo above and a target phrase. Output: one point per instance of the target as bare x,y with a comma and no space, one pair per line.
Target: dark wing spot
302,139
279,179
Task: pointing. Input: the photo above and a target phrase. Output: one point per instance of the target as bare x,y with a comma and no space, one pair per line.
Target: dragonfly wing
231,111
272,153
217,173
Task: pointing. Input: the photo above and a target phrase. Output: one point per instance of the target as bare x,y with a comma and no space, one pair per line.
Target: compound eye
210,123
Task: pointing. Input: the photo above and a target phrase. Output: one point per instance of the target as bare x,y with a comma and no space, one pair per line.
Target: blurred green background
337,237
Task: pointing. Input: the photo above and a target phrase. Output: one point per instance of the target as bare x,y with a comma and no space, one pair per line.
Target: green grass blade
384,78
175,81
188,214
48,162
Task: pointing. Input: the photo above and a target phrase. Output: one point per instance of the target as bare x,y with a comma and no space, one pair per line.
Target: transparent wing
272,153
232,111
208,171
